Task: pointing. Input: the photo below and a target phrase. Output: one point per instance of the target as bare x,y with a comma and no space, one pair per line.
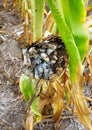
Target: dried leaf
90,61
68,90
45,97
89,8
58,88
57,102
43,102
49,22
58,106
5,3
81,107
29,121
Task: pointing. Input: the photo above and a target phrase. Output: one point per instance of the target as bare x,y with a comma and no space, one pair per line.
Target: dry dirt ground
12,107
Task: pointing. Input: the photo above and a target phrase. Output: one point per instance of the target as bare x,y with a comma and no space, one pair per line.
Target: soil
12,106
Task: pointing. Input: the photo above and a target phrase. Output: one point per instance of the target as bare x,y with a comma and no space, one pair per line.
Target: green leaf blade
75,14
67,37
27,87
35,108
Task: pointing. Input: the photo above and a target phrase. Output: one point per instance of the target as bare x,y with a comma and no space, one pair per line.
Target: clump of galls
46,57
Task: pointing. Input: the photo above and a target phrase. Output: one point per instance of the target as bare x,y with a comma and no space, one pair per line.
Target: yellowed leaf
43,101
29,121
81,107
57,102
49,23
58,106
5,3
58,88
90,61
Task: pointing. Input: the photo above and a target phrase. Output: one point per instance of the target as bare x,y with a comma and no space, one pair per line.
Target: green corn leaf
67,37
38,17
27,87
34,107
75,14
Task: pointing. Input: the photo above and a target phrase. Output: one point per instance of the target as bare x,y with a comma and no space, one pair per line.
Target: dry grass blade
89,99
81,107
49,22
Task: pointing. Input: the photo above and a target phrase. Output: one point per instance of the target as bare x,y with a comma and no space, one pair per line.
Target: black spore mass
47,56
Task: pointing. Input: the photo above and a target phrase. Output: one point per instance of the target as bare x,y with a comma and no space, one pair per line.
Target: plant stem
38,15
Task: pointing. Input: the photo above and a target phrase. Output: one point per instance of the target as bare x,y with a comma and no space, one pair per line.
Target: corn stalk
38,16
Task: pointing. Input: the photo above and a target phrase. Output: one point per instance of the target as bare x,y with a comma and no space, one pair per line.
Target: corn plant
77,40
66,19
